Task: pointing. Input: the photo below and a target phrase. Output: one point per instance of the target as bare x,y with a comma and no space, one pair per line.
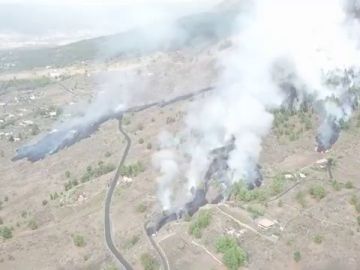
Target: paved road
164,261
108,234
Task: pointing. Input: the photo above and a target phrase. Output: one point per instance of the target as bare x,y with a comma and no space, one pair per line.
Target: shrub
54,196
233,255
349,185
318,239
336,185
141,141
5,232
24,214
201,222
6,198
108,154
148,262
234,258
293,137
141,208
67,186
1,221
297,256
300,198
358,220
317,192
32,224
70,184
126,121
132,241
67,174
256,210
44,202
277,185
149,146
353,199
224,243
79,240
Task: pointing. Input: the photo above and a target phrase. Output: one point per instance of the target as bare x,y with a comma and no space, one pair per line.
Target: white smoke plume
164,162
306,41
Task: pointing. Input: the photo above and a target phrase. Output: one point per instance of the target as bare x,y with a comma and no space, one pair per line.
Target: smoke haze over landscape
272,50
272,33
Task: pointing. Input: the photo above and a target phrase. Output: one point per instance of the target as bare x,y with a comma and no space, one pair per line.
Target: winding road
107,223
164,261
108,235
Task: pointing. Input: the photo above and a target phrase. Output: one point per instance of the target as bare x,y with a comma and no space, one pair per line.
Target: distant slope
194,30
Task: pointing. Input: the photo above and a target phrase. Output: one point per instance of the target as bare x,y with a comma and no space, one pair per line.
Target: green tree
349,185
5,232
233,255
141,208
318,239
201,222
317,192
79,240
297,256
32,224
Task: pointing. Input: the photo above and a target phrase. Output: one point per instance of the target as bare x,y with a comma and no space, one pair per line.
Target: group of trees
98,171
233,255
199,223
132,170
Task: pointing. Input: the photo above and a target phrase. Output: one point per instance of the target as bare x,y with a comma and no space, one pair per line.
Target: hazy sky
68,19
102,2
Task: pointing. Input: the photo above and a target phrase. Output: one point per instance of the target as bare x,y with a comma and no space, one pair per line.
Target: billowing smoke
168,168
283,55
335,111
